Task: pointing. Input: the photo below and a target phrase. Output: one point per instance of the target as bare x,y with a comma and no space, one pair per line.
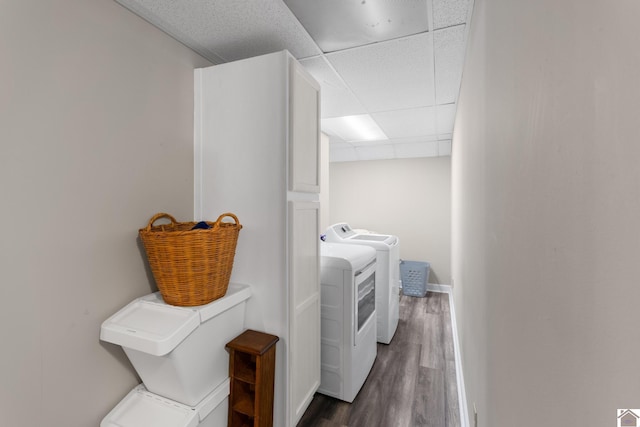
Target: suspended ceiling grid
400,62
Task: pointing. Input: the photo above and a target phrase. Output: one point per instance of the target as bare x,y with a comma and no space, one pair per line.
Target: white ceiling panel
375,152
342,154
449,58
445,117
230,29
416,149
398,63
339,24
390,75
336,98
408,123
370,143
339,144
447,13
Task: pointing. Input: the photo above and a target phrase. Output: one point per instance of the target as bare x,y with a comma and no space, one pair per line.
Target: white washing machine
387,277
348,314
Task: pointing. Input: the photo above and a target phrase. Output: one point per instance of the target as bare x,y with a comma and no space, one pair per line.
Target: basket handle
221,217
158,216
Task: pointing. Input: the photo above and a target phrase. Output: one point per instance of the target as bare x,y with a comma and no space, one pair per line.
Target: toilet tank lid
151,326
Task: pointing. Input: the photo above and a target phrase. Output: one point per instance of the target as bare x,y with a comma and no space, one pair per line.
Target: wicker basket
191,267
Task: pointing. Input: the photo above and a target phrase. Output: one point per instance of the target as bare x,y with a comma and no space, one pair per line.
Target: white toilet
179,352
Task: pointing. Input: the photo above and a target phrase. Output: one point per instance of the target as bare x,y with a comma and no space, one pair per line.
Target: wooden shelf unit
252,358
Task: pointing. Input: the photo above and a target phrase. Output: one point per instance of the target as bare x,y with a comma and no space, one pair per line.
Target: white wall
325,201
96,135
410,198
546,201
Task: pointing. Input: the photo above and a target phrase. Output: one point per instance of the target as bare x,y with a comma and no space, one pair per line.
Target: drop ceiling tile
447,13
339,24
230,29
347,154
399,80
336,98
407,123
370,143
338,144
376,152
390,75
449,57
416,149
445,118
444,148
415,140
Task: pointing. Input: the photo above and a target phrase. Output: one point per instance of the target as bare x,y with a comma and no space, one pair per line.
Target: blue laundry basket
414,276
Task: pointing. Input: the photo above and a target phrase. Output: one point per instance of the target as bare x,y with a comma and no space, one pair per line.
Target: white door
304,132
304,310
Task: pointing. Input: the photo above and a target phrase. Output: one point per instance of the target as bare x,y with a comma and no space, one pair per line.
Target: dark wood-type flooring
413,380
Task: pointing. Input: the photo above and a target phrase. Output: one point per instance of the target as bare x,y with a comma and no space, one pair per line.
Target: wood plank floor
413,381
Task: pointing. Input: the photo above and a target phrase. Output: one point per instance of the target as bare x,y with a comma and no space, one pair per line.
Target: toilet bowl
179,352
141,408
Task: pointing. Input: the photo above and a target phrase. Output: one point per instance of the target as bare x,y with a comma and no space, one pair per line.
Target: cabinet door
304,130
304,310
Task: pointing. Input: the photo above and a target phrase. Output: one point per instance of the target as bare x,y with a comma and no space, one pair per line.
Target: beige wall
324,182
410,198
96,135
546,208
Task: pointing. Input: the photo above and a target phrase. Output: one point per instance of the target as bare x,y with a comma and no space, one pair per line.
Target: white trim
445,289
197,143
462,394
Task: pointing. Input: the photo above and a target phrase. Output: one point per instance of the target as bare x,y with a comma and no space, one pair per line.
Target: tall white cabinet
257,151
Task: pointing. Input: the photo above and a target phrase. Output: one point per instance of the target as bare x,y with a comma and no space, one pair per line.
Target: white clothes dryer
387,276
348,318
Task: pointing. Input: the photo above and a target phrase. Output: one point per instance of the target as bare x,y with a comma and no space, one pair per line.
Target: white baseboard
462,395
434,287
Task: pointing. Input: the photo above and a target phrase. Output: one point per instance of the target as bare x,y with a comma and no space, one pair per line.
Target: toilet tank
179,352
